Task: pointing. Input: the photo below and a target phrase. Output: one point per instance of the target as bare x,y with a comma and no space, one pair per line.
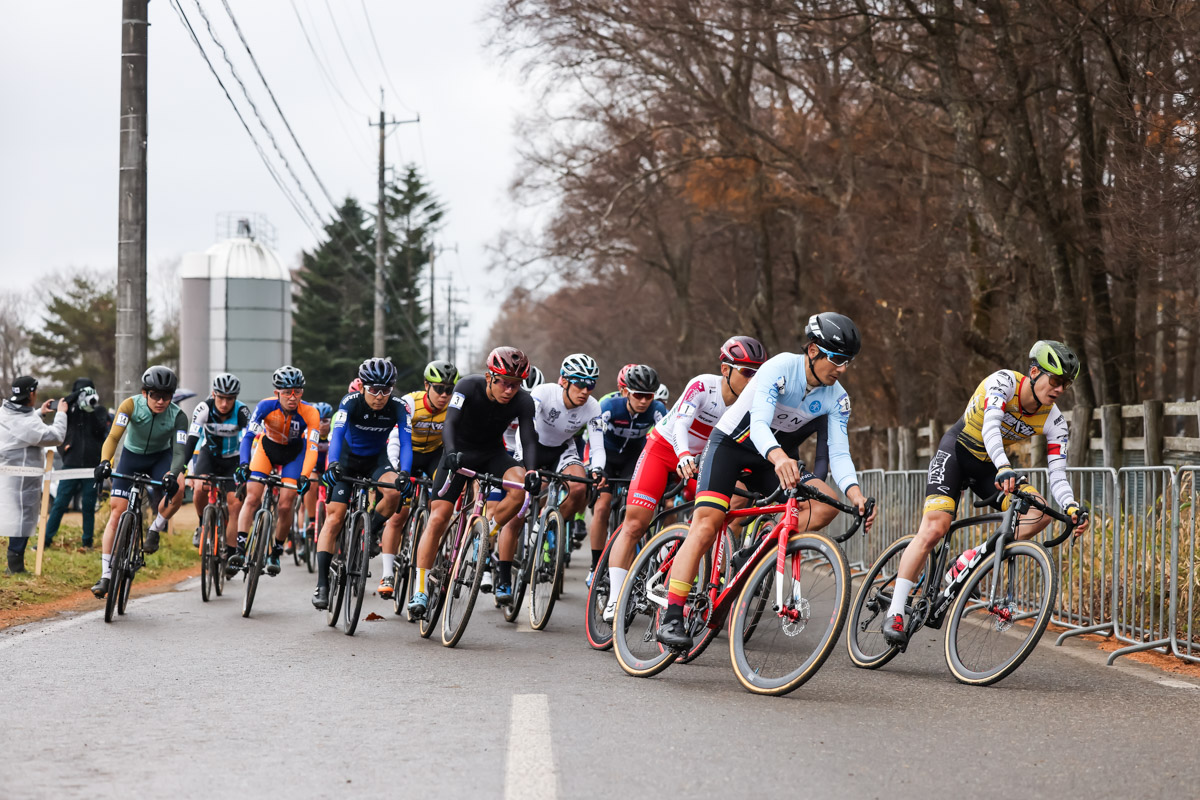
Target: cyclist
627,418
282,435
480,410
1006,407
561,409
760,433
358,448
221,420
672,446
325,412
155,436
662,394
426,414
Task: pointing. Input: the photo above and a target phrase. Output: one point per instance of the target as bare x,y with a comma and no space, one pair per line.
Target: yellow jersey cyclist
760,434
1006,407
155,433
282,435
426,416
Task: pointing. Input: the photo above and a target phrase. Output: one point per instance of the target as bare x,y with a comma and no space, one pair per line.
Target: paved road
181,699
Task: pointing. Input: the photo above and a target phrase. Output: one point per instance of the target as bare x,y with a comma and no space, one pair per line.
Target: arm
596,452
199,418
1057,439
337,433
313,435
253,429
528,436
179,451
686,412
768,386
120,422
839,444
453,411
998,390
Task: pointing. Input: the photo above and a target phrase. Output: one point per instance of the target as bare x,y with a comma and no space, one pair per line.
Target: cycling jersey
556,424
425,422
222,436
361,432
299,430
624,430
778,399
146,432
475,423
690,421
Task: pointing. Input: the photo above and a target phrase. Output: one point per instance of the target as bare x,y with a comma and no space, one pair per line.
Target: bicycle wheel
599,633
435,581
208,565
222,522
864,640
296,535
547,558
132,553
408,557
310,538
798,631
116,575
337,577
465,578
255,556
986,640
522,568
696,612
640,602
358,561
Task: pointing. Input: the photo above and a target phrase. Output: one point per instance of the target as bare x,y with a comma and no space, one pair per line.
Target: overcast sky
60,79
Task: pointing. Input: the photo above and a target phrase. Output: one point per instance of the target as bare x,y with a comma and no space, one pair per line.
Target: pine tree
414,216
79,334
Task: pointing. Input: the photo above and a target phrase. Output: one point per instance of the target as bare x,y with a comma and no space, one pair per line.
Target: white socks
106,565
900,596
159,524
389,560
616,577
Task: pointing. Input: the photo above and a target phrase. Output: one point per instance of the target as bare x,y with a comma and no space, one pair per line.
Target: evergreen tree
414,216
79,334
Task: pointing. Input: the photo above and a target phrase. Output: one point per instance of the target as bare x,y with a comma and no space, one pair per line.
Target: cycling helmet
508,362
226,383
641,378
580,365
621,375
534,378
324,410
159,379
743,351
441,372
663,394
377,372
835,333
288,377
355,386
1055,358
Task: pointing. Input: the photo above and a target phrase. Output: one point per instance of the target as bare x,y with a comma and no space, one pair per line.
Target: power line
383,66
321,63
346,52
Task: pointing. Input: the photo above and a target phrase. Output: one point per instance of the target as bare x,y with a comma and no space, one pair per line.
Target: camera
85,399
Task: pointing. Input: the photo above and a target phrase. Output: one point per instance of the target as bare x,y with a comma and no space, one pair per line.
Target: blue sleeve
254,428
840,462
337,432
405,428
658,410
770,384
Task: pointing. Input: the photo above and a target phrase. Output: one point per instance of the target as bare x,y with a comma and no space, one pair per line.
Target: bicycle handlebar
1036,502
137,477
490,480
562,476
217,479
803,491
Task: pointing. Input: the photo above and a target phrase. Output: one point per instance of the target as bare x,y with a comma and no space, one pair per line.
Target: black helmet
226,383
159,379
834,332
377,372
288,377
441,372
1054,358
641,379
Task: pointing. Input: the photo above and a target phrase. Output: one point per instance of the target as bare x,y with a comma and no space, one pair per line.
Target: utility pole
381,227
131,215
433,253
454,322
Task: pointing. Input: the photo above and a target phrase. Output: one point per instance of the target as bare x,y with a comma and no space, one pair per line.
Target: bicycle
803,576
453,582
403,575
350,568
545,553
261,533
984,602
213,524
127,553
311,532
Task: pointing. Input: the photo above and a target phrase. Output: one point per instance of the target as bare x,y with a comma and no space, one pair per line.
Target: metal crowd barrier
1185,636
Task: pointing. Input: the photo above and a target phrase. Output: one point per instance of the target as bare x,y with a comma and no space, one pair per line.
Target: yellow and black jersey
994,417
425,422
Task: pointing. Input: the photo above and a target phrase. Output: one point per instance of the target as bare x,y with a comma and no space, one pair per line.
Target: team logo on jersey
937,468
814,406
779,385
553,414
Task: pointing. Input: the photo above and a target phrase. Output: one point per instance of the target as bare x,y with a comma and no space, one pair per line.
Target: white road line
1174,684
529,771
40,628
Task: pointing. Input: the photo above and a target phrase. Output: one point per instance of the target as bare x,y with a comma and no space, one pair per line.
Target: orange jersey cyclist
1006,407
283,435
759,434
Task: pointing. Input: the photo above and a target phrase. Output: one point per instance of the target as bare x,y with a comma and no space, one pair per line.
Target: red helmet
509,362
743,351
621,375
355,385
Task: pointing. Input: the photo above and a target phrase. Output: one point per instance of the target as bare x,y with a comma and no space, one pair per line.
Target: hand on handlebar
1007,479
533,481
597,475
1080,519
786,468
687,467
860,501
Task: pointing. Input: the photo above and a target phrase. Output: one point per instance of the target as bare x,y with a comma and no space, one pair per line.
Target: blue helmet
324,409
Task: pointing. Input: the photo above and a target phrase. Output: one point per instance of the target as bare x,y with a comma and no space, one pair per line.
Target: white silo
236,316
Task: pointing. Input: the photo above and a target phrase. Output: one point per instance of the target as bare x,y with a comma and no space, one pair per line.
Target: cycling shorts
724,463
557,458
153,464
208,464
495,462
266,456
620,466
373,467
953,469
655,466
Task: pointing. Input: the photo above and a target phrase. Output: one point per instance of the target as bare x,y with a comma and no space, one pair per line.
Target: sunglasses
582,383
378,391
219,396
290,392
506,383
1059,382
441,388
837,359
161,397
642,395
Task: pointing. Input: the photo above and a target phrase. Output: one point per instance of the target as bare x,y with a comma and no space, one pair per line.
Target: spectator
87,425
23,436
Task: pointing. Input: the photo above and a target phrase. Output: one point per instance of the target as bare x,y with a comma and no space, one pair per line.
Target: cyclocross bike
350,568
406,553
998,596
213,524
262,533
127,554
791,596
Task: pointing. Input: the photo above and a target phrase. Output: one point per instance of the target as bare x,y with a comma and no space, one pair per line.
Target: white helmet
580,365
663,393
